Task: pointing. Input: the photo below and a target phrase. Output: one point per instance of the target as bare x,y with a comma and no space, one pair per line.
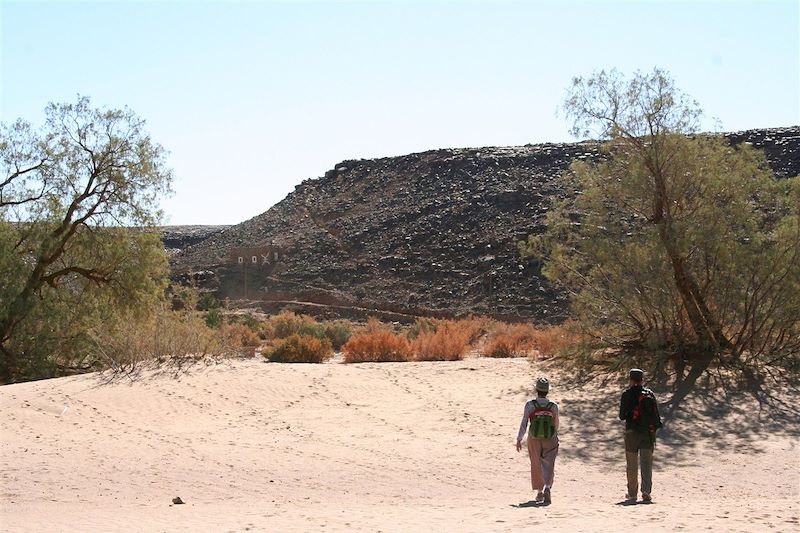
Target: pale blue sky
251,98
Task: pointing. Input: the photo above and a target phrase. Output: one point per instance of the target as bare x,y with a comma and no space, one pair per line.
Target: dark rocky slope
427,233
178,238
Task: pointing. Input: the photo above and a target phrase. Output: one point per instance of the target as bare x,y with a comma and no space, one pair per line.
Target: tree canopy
674,242
78,201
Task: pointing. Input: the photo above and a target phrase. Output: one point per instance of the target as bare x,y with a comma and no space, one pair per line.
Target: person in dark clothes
639,409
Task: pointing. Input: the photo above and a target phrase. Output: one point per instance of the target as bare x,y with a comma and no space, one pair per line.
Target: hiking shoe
646,497
540,496
546,496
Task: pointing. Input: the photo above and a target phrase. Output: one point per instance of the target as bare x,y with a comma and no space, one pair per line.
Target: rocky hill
428,233
178,238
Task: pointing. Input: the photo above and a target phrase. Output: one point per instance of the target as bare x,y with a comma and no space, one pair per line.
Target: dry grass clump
450,341
299,349
377,343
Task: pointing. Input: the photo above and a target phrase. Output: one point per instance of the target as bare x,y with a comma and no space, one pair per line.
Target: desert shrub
556,340
374,325
299,349
240,336
421,325
510,340
338,332
376,344
213,318
312,329
166,336
449,342
248,320
285,324
207,302
477,326
501,345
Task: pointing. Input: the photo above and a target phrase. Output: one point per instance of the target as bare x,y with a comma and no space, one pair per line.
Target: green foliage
674,244
213,318
287,323
421,325
338,332
299,349
251,322
207,302
69,195
312,329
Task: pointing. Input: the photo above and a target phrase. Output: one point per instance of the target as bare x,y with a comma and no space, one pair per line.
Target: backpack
542,421
645,415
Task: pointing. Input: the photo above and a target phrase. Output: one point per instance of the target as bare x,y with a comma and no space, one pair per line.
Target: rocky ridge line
426,233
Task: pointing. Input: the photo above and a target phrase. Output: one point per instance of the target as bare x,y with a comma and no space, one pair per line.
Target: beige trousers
543,454
639,453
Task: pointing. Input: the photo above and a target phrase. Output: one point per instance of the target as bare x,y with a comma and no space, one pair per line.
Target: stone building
255,256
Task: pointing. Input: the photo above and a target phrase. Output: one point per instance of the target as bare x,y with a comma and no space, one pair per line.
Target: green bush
299,349
213,318
312,329
421,325
338,332
250,321
207,302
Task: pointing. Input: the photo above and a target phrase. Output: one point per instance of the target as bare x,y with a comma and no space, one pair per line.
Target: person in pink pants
540,418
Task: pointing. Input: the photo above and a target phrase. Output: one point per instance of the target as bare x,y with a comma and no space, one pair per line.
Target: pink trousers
543,454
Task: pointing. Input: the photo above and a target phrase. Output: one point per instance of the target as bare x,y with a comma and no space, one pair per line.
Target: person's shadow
634,502
531,503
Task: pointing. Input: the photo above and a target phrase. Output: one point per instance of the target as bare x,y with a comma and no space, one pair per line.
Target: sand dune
376,447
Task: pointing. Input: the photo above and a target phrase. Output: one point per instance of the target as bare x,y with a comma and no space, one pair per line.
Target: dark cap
637,374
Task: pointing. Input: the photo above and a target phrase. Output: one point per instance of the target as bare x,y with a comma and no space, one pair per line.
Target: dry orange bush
449,342
239,335
511,340
373,325
555,340
477,326
501,345
376,344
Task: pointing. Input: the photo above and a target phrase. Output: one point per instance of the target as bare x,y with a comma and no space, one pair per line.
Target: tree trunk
710,338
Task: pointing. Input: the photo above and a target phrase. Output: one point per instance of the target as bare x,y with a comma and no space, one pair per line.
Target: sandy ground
255,446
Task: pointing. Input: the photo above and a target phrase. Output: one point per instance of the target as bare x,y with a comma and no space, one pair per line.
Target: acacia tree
69,194
674,242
